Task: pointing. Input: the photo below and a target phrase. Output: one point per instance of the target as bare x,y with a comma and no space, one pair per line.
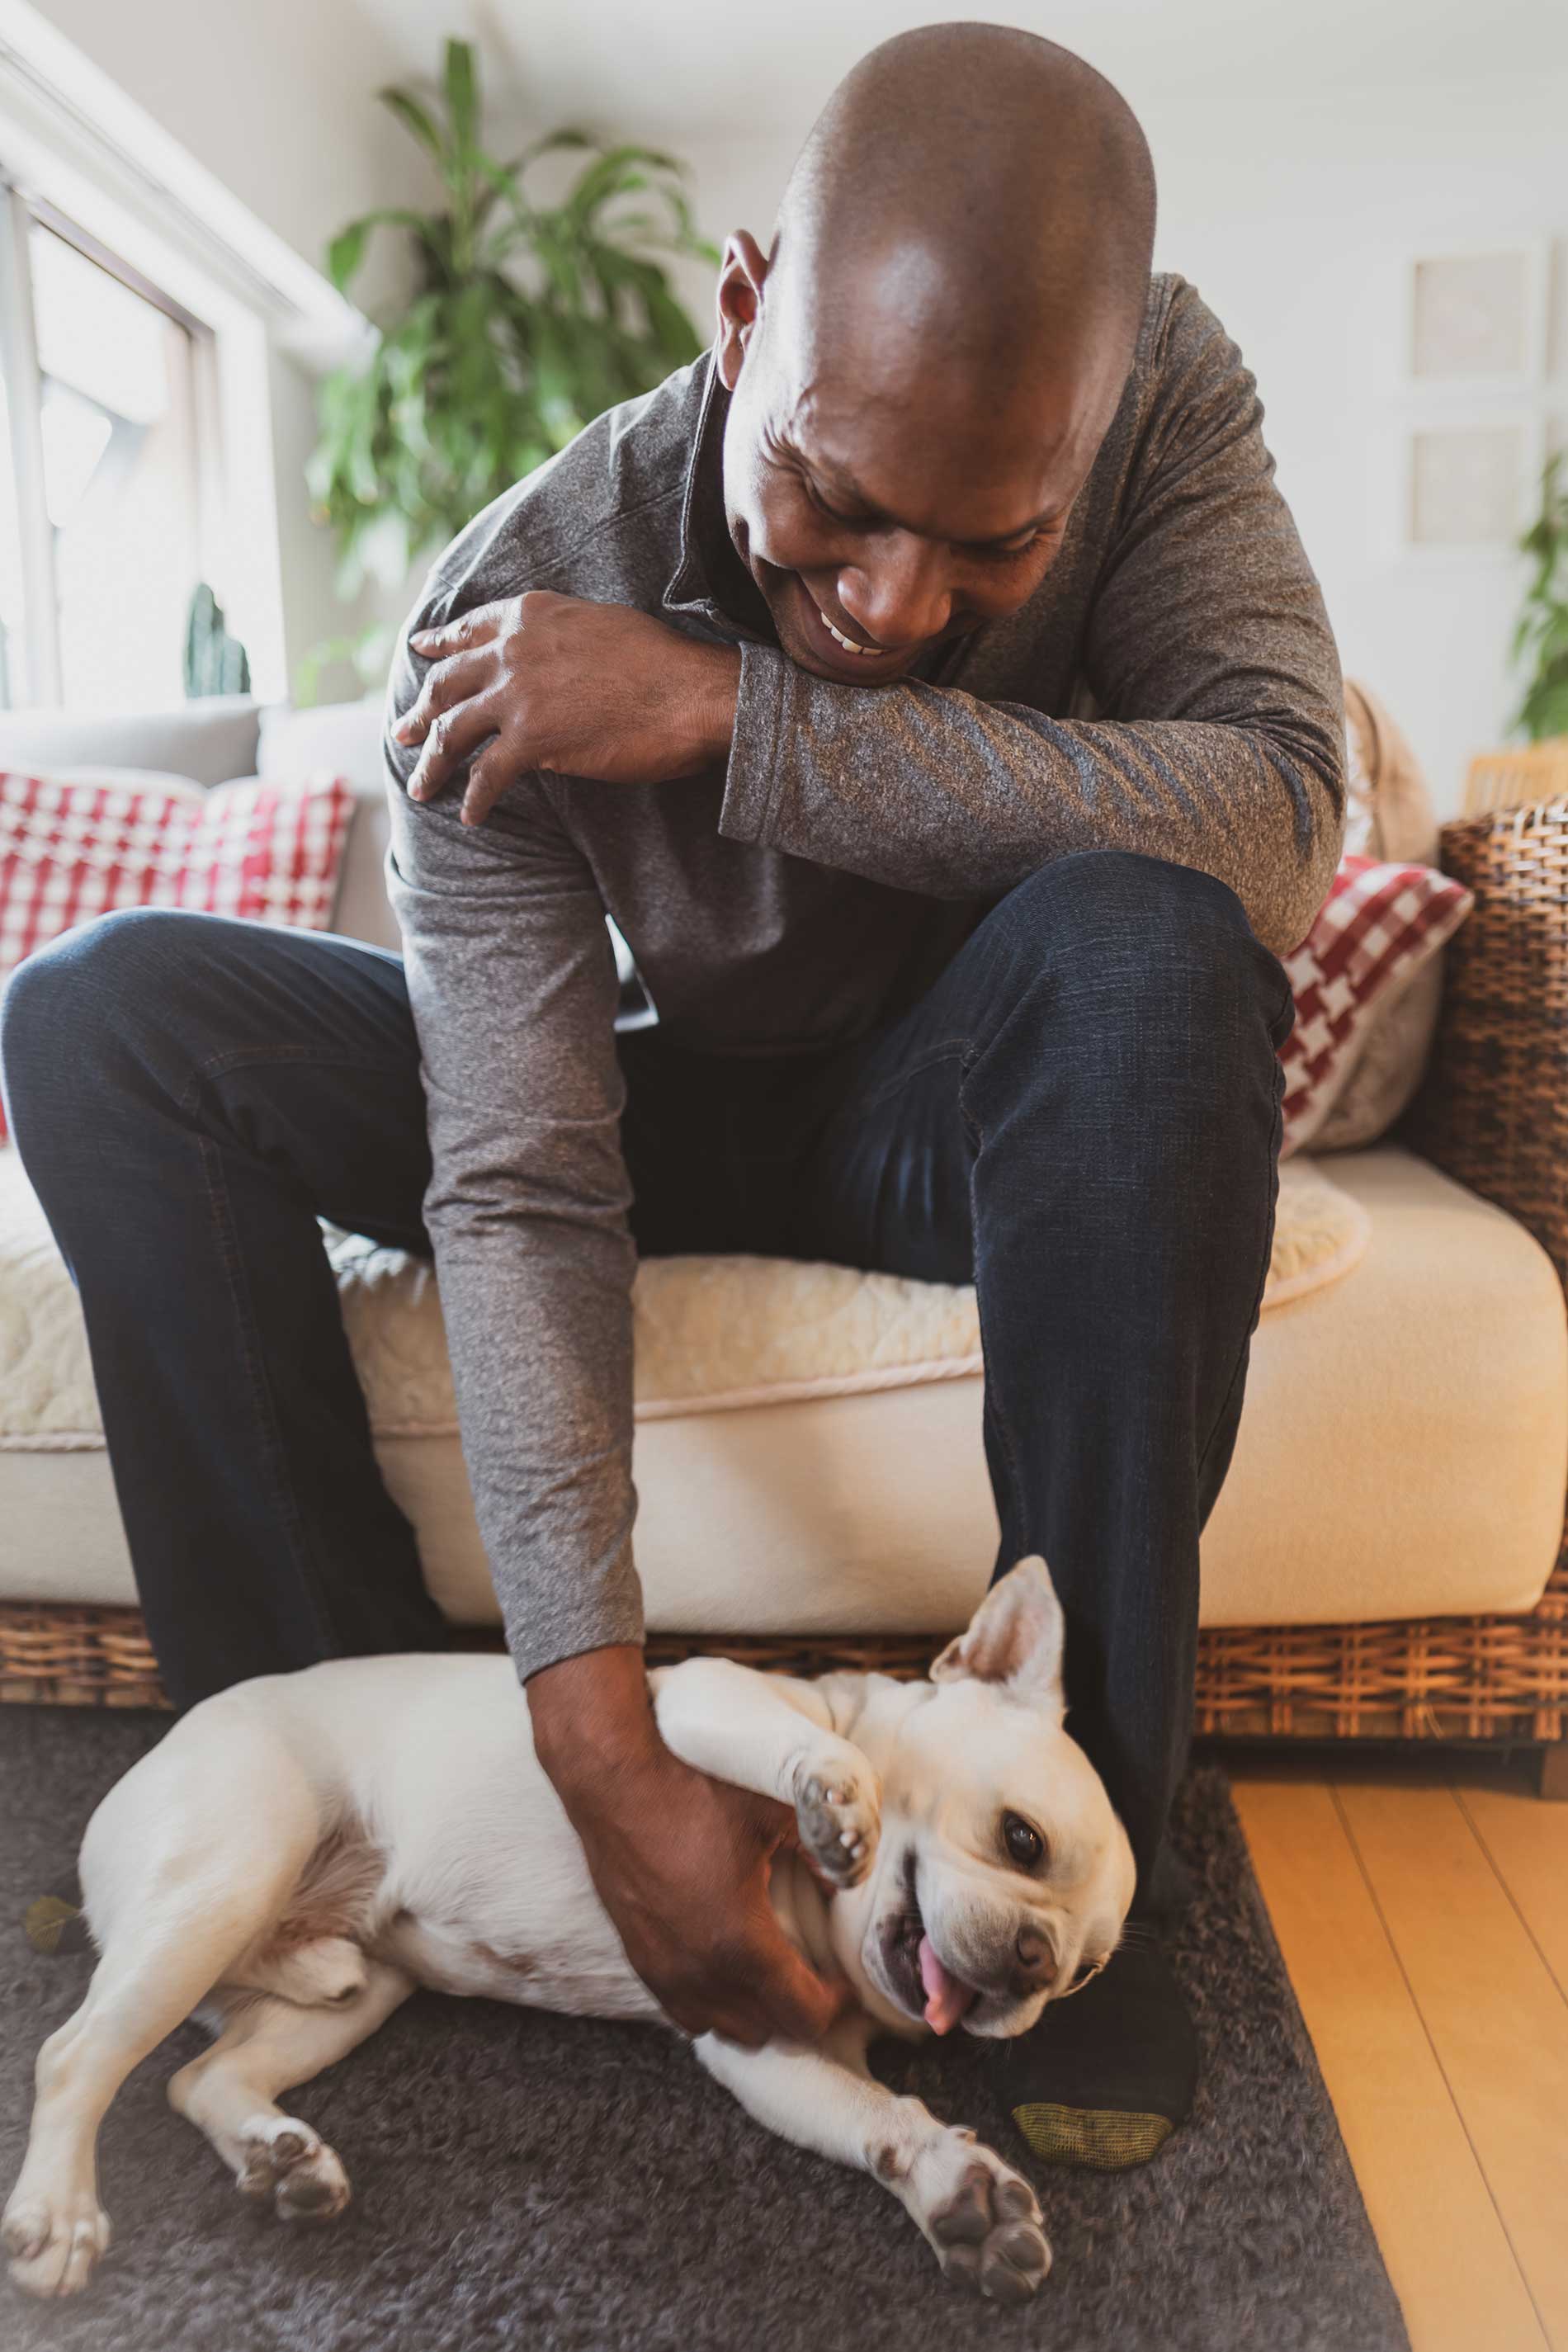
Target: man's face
883,491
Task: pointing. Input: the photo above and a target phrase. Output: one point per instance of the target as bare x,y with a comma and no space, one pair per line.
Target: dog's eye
1024,1842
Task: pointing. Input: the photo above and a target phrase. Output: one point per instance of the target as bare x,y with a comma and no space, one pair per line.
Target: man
789,668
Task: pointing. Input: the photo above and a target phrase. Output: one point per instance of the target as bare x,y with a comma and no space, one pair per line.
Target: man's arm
1208,641
513,988
513,984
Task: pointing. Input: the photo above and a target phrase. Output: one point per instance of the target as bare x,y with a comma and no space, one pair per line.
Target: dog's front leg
776,1736
979,2216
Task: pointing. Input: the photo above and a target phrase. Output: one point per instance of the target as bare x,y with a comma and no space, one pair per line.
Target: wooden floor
1422,1907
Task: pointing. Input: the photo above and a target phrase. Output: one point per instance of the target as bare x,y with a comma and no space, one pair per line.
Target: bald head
992,187
923,368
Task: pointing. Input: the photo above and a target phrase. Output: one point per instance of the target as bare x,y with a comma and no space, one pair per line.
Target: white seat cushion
808,1455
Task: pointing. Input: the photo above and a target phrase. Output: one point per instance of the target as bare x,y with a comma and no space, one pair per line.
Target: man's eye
1011,555
1024,1842
846,522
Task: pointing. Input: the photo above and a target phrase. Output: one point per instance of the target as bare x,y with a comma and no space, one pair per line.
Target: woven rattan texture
1493,1113
1438,1678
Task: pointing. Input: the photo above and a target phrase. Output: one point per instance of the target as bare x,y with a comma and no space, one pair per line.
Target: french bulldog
303,1850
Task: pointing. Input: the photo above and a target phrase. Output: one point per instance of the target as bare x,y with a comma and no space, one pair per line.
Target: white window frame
43,665
74,146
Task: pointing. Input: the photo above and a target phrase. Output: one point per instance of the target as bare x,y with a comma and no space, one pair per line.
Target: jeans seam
990,1391
230,1258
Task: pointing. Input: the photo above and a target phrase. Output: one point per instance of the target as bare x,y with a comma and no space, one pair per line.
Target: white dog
304,1850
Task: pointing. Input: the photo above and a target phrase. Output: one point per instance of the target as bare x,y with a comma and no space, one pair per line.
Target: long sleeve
1204,644
513,986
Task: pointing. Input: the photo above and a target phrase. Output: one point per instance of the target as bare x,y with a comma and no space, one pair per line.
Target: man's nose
900,594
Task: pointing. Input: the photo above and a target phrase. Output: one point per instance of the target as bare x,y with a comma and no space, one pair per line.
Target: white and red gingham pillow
72,849
1377,926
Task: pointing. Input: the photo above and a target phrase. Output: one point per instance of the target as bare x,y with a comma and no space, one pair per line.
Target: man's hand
548,681
680,1861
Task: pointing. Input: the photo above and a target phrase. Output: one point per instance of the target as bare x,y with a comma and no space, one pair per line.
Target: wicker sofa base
1444,1678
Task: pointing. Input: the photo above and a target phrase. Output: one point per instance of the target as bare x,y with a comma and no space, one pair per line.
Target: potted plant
1540,636
525,321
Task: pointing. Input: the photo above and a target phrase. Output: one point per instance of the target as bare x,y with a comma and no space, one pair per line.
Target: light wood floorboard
1438,2220
1422,1913
1496,2015
1526,1842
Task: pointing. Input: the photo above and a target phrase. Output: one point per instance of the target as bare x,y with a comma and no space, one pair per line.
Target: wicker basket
1517,777
1482,1678
1493,1112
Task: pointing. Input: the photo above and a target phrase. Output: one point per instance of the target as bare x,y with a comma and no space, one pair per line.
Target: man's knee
1113,897
70,1010
1141,1009
1118,938
66,991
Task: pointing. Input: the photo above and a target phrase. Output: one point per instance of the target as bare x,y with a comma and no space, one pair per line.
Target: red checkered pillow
1378,924
71,850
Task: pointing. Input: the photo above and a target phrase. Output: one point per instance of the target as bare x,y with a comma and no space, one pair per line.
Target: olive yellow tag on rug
53,1925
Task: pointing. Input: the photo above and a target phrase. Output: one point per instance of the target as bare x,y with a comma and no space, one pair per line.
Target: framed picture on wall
1469,483
1476,318
1467,422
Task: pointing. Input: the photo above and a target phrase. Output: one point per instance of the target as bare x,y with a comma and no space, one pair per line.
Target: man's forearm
931,789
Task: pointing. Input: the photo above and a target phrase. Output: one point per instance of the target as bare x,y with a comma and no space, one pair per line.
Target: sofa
1385,1559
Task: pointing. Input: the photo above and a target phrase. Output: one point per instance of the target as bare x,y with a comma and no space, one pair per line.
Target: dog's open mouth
918,1977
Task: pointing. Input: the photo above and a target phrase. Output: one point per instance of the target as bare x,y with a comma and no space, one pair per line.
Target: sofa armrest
1492,1110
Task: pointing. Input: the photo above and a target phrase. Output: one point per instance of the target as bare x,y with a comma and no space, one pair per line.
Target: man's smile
830,647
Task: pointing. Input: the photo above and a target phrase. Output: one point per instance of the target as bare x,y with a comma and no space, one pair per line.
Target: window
103,383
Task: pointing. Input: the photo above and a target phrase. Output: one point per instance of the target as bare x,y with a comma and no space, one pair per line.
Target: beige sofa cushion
808,1452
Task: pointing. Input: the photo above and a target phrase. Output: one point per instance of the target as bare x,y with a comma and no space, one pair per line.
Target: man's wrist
592,1716
714,713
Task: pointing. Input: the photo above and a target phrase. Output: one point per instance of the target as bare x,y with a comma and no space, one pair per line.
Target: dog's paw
54,2241
982,2217
285,2164
838,1813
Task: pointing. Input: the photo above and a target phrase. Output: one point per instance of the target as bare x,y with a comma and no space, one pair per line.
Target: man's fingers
475,628
454,737
448,682
488,779
813,2005
800,2005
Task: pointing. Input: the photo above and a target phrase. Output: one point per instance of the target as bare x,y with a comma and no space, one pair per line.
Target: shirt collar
707,552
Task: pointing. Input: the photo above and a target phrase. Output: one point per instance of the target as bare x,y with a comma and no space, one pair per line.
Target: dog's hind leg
185,1863
269,2045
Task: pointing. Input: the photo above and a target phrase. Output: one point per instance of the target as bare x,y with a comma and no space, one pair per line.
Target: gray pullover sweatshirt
816,882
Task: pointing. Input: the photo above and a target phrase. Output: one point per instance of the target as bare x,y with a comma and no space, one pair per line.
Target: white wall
1298,226
275,97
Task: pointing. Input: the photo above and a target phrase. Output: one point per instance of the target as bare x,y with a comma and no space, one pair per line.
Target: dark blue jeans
1081,1117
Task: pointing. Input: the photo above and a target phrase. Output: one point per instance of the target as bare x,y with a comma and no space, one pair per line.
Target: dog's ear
1015,1638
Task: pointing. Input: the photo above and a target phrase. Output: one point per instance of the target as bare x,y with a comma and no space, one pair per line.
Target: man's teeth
838,636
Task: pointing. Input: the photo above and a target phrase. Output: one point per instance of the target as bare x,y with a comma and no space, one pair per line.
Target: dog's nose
1034,1955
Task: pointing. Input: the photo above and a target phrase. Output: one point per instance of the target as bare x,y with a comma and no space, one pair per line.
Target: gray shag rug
526,2181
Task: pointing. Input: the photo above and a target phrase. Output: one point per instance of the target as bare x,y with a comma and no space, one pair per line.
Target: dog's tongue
946,1997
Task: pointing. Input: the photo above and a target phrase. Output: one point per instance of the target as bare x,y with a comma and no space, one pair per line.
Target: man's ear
1015,1638
739,300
